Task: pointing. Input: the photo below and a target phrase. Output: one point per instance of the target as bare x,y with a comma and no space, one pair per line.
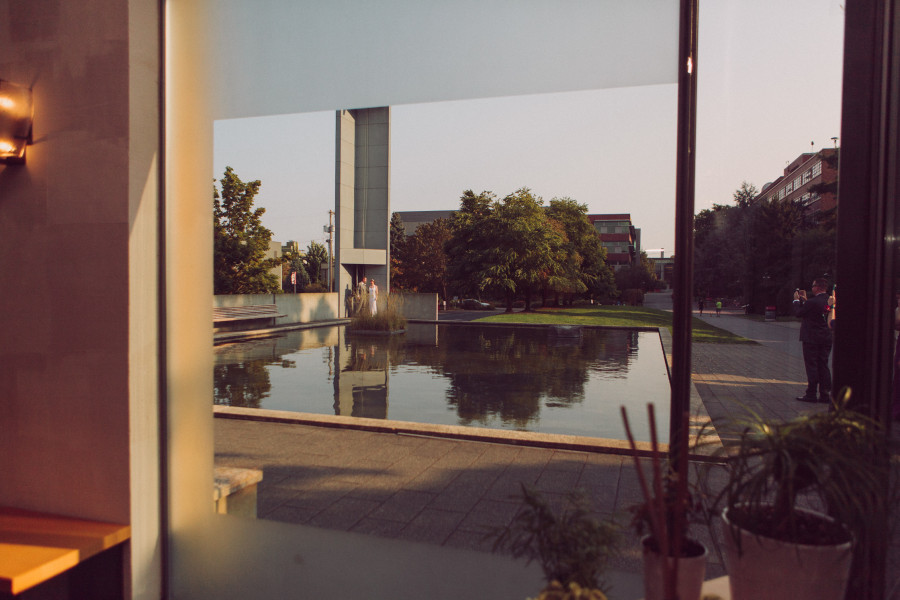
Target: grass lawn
618,316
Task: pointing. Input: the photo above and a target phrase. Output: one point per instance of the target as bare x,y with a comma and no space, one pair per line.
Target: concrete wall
298,308
362,195
79,230
371,190
420,306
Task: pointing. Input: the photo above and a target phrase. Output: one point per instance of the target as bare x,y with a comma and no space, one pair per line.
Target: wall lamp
16,117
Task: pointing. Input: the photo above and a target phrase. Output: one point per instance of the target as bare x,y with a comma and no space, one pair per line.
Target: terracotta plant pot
762,567
691,571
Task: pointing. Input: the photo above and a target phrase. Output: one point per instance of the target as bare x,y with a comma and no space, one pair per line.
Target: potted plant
776,545
572,546
674,563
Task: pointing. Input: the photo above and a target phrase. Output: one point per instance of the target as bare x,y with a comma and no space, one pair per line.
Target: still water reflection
500,377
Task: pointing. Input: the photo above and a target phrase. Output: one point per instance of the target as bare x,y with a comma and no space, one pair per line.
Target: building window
817,169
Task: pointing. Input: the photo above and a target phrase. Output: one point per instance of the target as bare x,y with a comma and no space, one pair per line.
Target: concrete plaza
452,492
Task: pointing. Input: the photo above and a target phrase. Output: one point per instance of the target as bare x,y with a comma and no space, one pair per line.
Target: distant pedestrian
718,308
700,306
815,335
373,298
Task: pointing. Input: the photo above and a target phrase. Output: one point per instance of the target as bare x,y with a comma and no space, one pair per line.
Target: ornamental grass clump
388,317
573,547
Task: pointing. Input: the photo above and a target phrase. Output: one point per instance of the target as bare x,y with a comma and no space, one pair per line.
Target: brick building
620,238
801,179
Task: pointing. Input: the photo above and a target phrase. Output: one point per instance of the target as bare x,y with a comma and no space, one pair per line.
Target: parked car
473,304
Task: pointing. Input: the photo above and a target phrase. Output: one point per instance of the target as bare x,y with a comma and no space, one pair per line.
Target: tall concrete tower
362,198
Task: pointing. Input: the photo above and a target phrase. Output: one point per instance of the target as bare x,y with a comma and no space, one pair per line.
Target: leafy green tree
398,254
240,241
316,259
528,249
584,267
294,264
639,275
723,242
744,196
425,266
469,243
759,250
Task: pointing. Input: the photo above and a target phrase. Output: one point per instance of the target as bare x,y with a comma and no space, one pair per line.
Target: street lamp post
329,229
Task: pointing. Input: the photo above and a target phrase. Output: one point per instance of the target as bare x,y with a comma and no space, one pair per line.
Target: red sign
294,277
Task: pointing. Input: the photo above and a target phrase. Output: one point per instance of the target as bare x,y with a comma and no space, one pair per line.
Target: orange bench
35,547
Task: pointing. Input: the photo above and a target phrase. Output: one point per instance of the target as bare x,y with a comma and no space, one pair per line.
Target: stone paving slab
451,492
458,492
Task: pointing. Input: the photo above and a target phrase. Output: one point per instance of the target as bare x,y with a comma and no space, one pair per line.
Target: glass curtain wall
795,181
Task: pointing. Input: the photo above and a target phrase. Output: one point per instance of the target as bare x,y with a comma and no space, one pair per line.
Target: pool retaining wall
297,308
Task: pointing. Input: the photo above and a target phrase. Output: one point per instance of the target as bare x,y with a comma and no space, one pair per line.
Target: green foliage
240,241
469,244
294,264
516,246
760,250
619,316
584,267
570,544
528,252
316,259
398,251
639,275
745,195
633,296
423,263
838,459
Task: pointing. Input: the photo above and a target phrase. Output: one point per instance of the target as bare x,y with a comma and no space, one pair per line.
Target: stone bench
230,314
234,492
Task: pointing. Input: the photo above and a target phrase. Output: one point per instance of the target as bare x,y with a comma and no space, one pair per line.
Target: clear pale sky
769,76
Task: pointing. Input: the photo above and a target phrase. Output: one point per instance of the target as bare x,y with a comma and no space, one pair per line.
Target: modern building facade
620,238
413,218
663,268
362,197
801,182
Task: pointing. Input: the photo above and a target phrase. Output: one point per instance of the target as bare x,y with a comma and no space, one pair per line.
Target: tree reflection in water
510,373
245,382
452,374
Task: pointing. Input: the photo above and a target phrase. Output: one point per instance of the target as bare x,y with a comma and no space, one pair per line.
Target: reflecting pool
519,378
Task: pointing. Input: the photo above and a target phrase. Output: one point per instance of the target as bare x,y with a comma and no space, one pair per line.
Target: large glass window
751,253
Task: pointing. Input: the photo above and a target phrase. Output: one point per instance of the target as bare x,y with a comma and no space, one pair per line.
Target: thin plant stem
670,572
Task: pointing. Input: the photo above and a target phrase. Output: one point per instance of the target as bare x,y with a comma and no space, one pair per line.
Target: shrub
389,316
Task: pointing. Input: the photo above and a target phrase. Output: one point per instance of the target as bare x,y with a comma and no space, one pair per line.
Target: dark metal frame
682,285
867,235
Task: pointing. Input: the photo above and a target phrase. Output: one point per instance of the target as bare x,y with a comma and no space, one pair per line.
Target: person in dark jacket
815,335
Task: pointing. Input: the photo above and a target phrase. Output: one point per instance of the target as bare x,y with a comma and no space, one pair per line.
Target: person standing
815,335
700,306
373,298
718,308
360,299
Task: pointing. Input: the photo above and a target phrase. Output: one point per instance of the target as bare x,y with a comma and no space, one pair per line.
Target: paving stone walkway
452,492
